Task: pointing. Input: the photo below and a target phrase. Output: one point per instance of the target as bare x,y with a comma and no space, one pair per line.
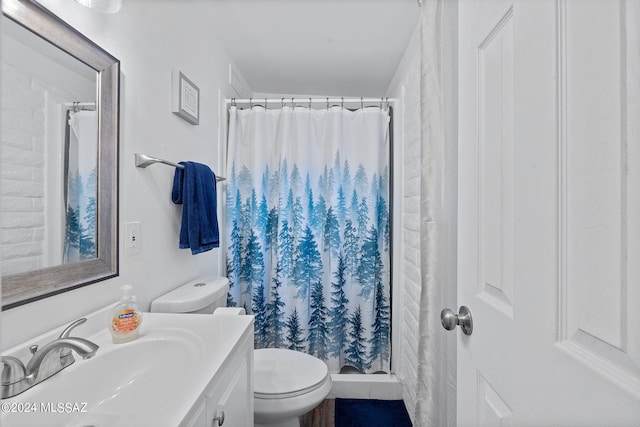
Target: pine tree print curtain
80,168
308,231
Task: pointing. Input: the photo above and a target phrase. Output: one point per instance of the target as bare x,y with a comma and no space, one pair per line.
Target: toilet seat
282,373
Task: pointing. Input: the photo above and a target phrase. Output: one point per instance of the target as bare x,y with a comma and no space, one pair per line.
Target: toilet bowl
287,383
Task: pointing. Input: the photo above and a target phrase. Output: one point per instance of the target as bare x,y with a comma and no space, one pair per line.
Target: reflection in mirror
59,129
79,186
49,141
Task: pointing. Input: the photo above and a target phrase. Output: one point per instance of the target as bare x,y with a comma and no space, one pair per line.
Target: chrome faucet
45,362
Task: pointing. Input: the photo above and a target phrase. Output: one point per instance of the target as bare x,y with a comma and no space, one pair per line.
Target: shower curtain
436,372
307,221
80,163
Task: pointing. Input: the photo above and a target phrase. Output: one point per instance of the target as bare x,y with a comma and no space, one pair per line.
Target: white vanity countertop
152,381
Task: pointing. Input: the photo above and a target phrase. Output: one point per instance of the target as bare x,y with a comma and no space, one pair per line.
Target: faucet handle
67,330
13,370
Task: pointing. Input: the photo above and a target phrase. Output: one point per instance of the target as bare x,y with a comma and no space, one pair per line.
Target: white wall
22,105
150,38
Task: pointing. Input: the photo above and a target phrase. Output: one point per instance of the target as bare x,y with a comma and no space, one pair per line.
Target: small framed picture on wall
186,98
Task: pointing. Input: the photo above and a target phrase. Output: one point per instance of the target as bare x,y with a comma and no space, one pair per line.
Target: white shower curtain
435,393
307,221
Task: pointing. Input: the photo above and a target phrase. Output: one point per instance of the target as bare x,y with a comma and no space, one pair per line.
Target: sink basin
152,381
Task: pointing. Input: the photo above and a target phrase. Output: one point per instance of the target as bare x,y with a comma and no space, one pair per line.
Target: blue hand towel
195,188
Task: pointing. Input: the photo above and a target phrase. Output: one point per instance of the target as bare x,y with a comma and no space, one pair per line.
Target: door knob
450,320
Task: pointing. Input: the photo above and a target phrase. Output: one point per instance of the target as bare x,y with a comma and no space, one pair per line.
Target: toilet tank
197,296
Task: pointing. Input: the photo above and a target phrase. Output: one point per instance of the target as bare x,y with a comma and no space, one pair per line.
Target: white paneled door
549,212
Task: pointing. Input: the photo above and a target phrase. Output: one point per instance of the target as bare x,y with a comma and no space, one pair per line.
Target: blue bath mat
371,413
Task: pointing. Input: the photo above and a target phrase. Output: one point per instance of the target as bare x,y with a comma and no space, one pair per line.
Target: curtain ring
293,104
387,99
327,102
282,102
342,102
381,101
309,104
265,104
361,103
233,102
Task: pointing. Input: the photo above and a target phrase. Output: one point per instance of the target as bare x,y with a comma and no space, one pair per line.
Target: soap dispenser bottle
125,318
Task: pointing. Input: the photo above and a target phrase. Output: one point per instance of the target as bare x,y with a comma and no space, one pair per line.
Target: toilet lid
280,373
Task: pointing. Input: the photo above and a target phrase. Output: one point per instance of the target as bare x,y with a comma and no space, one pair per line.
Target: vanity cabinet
232,404
228,400
199,416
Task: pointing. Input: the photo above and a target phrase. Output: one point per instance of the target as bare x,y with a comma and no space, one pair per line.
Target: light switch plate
132,238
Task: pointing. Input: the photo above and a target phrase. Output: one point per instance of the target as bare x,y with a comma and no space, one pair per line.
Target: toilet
287,383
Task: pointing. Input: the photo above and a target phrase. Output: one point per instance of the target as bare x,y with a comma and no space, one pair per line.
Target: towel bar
142,161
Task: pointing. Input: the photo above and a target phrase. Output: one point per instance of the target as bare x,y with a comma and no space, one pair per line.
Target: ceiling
316,47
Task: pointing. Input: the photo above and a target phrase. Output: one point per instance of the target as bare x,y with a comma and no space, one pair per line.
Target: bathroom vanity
183,370
228,398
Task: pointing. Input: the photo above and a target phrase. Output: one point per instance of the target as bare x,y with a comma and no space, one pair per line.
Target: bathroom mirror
60,95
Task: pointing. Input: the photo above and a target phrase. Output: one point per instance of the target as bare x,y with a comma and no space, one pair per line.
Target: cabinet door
234,396
199,418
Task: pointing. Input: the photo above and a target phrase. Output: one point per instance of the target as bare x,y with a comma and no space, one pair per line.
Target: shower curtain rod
80,104
307,101
77,106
